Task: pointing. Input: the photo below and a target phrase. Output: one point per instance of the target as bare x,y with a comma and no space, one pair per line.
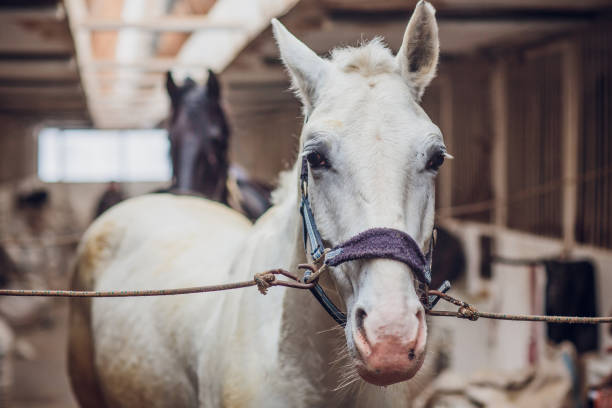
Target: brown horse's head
199,137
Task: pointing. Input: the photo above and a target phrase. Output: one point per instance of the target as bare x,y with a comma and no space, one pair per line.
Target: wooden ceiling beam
38,70
38,105
475,6
151,64
39,82
170,43
54,90
181,24
146,77
359,16
126,100
30,4
27,31
458,38
104,44
100,91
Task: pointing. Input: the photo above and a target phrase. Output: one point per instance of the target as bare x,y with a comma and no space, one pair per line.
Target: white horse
373,155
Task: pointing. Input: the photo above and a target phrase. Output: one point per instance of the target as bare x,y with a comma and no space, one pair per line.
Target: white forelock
368,59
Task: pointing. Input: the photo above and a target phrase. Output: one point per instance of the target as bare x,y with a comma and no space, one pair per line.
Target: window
91,155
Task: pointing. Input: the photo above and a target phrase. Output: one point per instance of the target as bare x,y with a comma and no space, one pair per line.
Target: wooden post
570,120
446,123
499,101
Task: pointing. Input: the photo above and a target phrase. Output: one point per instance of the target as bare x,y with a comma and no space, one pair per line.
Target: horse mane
368,59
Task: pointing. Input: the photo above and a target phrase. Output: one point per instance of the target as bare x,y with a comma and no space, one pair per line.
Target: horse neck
218,192
211,186
307,337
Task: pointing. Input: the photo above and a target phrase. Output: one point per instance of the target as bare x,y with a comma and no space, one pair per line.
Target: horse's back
118,346
152,221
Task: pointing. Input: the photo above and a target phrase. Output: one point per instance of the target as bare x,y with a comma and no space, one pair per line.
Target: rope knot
468,312
264,280
315,276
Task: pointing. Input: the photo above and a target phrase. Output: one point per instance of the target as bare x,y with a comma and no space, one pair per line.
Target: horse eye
435,161
316,160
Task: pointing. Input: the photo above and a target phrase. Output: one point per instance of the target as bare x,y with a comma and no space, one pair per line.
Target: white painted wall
504,345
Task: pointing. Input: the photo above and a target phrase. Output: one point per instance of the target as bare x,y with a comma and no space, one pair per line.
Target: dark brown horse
199,138
199,141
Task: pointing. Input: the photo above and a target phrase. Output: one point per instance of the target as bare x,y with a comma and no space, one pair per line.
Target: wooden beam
170,43
42,105
151,64
30,4
109,93
35,31
82,39
135,77
120,105
571,130
105,85
181,24
39,82
37,70
137,101
52,91
446,124
104,44
466,7
499,164
147,109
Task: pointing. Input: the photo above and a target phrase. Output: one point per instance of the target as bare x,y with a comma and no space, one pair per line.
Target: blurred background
523,98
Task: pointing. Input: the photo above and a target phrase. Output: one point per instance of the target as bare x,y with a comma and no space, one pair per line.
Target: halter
373,243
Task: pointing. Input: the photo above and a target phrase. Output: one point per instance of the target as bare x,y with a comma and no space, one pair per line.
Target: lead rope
263,281
267,279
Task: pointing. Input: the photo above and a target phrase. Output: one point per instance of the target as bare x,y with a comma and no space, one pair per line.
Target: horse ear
306,68
173,90
213,88
418,55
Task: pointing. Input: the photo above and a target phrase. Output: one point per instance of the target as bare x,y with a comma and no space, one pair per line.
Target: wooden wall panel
265,121
472,138
534,144
594,218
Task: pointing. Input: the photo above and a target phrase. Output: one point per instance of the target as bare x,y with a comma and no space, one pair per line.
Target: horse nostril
411,354
360,331
360,316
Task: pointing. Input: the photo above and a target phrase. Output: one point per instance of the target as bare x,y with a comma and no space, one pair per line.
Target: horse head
373,155
199,137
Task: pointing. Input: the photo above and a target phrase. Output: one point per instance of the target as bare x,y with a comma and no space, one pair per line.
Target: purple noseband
383,243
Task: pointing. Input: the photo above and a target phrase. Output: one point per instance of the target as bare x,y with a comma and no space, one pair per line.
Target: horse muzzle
390,342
